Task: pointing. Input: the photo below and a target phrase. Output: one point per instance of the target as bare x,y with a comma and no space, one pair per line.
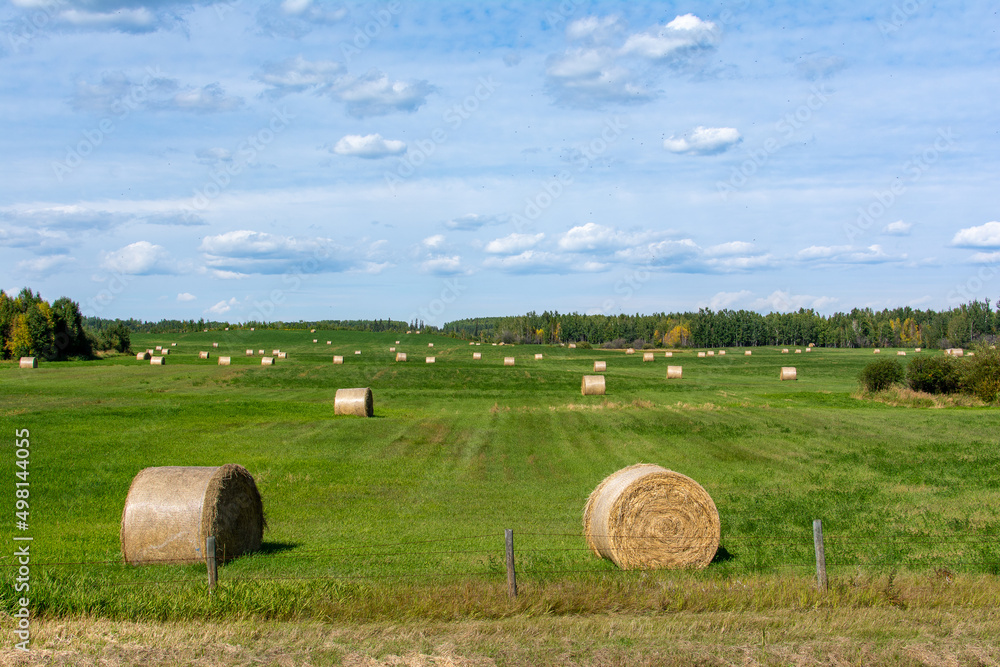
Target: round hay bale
357,351
668,354
249,353
401,356
471,342
354,402
165,351
476,356
572,346
722,353
224,361
251,328
173,345
748,353
267,361
170,510
900,354
315,340
260,351
917,349
430,360
785,351
392,349
675,372
215,345
600,366
876,351
647,517
538,357
592,385
203,355
711,353
157,361
275,352
397,342
150,351
630,350
701,354
338,360
282,355
647,356
312,331
508,361
812,344
142,356
430,344
159,347
28,362
329,342
798,351
788,373
809,349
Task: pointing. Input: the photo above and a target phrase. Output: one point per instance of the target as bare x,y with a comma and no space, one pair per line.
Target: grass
401,517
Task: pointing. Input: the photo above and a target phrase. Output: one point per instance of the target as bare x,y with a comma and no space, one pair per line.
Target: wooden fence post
213,571
821,579
511,577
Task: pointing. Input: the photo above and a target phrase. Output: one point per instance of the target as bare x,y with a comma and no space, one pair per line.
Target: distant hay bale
900,353
329,342
357,351
267,361
876,351
711,353
430,360
508,361
812,344
158,361
477,355
203,355
251,328
397,342
392,349
28,362
647,356
165,351
227,328
722,353
315,340
788,373
668,354
275,352
572,346
401,356
260,351
917,349
430,344
282,355
630,350
809,349
150,351
249,353
354,402
215,345
170,510
784,351
224,361
647,517
538,357
173,345
701,354
312,331
159,347
338,359
675,372
142,356
955,351
600,366
747,353
798,351
592,385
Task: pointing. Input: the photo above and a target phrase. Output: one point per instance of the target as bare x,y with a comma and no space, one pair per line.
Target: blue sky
309,160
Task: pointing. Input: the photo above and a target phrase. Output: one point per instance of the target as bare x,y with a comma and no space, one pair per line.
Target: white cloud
845,254
186,296
473,221
374,94
898,228
704,141
683,34
124,20
515,243
223,307
723,300
983,236
242,252
985,258
660,252
369,146
529,261
582,77
594,237
783,302
434,241
442,265
295,75
731,248
594,28
118,93
43,264
139,258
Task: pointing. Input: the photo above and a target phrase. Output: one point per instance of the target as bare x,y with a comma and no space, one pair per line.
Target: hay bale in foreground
203,355
477,356
647,356
675,372
157,361
508,361
600,366
592,385
224,361
788,373
401,356
646,517
267,361
28,362
355,402
338,359
170,510
142,356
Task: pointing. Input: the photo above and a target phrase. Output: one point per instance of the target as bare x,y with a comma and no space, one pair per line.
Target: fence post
511,577
821,579
213,571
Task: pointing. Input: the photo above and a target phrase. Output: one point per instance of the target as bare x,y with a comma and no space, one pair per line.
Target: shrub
934,375
880,375
980,375
583,345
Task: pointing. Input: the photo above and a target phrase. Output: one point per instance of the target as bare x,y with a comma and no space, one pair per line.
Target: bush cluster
977,374
880,375
934,375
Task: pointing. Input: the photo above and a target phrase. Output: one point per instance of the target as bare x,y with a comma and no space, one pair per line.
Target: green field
403,515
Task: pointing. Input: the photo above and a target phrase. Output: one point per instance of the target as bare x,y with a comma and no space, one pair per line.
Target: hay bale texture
224,361
600,366
675,372
647,356
788,373
169,511
668,354
157,361
203,355
508,361
572,346
538,357
701,354
477,356
337,359
748,353
430,360
28,362
267,361
648,517
401,356
354,402
592,385
142,356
